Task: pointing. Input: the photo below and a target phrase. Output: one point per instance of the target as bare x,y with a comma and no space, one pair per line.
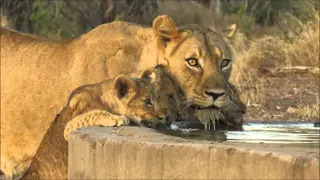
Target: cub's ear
165,29
162,67
149,75
125,87
231,31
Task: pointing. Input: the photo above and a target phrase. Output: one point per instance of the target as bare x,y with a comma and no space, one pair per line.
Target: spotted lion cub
146,101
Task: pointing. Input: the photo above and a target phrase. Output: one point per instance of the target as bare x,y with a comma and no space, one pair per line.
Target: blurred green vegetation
70,18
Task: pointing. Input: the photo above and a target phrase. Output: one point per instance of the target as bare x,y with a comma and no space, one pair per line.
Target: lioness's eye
225,63
147,102
192,61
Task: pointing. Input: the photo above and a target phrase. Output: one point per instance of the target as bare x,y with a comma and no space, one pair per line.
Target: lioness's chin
201,104
221,104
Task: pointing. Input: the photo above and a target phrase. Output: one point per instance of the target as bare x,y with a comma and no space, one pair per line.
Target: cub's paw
111,121
123,121
95,118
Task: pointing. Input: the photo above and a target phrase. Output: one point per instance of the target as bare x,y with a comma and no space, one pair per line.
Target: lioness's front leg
95,118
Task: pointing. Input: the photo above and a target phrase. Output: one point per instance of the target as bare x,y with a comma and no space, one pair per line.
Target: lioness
146,101
37,74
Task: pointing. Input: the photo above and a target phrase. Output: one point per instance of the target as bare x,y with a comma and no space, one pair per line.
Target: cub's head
198,58
168,93
143,102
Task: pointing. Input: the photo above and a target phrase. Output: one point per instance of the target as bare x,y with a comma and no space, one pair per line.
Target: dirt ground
283,93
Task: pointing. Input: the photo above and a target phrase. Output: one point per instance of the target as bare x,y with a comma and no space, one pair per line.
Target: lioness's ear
148,75
125,87
165,29
231,31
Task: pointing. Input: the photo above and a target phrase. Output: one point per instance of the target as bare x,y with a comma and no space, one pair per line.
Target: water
255,132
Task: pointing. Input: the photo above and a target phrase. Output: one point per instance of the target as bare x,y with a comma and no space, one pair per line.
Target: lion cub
147,100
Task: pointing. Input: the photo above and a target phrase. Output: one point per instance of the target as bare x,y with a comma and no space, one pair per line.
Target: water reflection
254,132
197,134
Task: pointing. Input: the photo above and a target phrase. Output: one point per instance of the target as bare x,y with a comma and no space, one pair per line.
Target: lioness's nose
215,94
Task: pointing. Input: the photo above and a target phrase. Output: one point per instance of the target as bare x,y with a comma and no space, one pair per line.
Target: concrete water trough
142,153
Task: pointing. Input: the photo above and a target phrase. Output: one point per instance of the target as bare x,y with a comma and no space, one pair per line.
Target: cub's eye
192,61
171,98
225,63
147,102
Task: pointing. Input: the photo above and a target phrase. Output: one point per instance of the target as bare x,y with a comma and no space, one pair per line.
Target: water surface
293,133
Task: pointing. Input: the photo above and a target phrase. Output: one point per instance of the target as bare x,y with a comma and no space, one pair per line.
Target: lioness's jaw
221,103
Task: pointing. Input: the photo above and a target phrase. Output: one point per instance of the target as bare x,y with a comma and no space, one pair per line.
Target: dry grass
259,56
307,111
188,12
304,50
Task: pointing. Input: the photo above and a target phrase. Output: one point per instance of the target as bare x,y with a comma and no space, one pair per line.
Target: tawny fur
37,74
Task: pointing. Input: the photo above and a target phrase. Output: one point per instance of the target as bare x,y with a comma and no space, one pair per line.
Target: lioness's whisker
186,107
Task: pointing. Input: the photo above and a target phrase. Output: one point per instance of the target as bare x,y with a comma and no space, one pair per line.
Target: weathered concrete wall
140,153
